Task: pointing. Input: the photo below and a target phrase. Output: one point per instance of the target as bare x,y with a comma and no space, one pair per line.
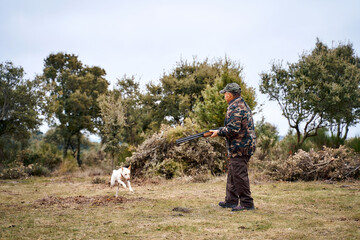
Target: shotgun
198,135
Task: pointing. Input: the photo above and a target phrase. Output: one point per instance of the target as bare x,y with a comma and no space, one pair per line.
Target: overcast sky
147,38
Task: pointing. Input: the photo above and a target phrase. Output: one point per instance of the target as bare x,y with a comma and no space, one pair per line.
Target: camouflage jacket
239,129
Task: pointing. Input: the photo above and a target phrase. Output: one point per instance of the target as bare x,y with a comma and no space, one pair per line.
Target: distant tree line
321,90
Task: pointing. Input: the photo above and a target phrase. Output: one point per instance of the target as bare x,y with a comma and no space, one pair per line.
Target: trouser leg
231,194
239,187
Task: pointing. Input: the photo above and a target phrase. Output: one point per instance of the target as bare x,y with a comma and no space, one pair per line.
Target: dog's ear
129,167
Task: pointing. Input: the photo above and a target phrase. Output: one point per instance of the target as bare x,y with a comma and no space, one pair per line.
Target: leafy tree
113,117
128,91
338,71
320,90
187,85
71,99
19,100
174,98
210,110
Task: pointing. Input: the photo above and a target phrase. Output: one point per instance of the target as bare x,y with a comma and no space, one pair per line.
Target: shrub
266,138
169,169
37,170
15,170
68,165
27,157
354,143
93,157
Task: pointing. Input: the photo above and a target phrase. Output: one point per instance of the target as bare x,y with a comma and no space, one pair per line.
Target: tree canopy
71,96
192,90
19,99
320,90
210,111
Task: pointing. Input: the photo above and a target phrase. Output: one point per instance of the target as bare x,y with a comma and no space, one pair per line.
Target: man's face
228,96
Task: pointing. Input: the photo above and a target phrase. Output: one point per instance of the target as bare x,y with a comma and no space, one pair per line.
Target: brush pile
328,164
160,156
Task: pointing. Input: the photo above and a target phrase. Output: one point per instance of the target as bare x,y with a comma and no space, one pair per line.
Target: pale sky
147,38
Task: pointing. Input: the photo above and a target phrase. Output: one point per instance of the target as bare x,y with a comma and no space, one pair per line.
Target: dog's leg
122,183
129,185
117,190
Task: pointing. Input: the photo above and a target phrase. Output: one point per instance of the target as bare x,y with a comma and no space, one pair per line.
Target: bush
93,157
68,165
169,169
354,143
266,138
37,170
15,170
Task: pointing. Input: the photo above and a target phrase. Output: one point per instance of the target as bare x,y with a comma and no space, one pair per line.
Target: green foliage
187,86
169,169
320,90
125,152
134,112
93,157
19,100
113,117
210,110
68,165
71,100
354,143
37,170
9,148
266,137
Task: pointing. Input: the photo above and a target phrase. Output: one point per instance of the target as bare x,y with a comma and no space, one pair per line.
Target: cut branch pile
160,156
328,164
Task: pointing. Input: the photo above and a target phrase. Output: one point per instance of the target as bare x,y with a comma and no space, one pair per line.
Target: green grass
300,210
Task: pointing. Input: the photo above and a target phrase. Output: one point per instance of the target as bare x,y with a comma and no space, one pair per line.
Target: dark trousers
238,186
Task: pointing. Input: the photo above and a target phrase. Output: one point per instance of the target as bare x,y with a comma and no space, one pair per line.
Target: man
240,141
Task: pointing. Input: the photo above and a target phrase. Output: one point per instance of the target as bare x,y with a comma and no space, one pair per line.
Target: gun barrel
188,138
191,137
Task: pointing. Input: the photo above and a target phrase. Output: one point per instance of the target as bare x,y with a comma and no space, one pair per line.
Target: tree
128,90
113,118
19,100
321,89
210,110
339,74
71,99
174,98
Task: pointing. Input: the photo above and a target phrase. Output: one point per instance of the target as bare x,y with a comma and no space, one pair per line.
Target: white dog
118,176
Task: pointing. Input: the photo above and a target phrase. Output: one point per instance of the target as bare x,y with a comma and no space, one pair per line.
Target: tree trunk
112,160
66,144
78,150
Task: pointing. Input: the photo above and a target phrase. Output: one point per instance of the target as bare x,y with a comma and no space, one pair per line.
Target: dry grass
75,208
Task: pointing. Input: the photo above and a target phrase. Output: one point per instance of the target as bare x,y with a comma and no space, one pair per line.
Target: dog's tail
113,178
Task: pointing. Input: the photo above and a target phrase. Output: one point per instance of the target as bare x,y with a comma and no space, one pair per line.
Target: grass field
77,208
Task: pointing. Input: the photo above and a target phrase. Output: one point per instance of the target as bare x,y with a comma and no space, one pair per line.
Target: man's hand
214,133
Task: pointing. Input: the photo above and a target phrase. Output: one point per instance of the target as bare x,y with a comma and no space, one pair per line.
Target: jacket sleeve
233,127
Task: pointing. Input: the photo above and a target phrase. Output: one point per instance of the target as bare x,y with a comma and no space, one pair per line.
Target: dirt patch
68,202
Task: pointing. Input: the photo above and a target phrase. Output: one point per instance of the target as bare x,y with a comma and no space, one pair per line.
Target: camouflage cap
231,87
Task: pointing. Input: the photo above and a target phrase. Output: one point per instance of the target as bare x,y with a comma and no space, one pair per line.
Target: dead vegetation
77,201
328,164
160,156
